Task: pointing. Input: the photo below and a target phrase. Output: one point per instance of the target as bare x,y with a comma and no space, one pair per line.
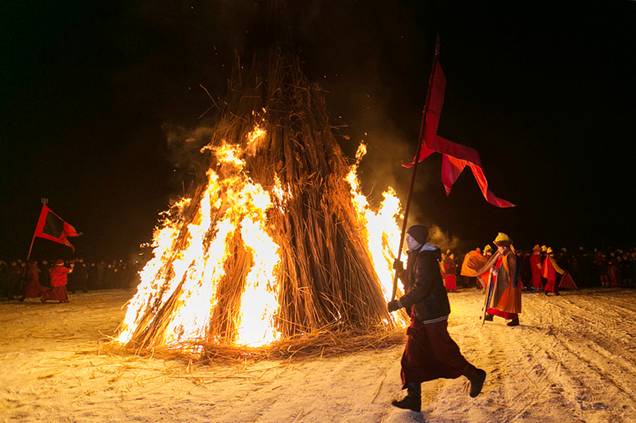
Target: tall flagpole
44,202
420,143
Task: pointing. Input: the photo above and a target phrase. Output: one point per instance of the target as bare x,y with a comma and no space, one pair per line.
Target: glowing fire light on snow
190,260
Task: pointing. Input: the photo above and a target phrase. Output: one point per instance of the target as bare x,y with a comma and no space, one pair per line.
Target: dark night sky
88,90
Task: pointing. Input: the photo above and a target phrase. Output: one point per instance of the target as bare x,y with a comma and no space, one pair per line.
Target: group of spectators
17,276
611,268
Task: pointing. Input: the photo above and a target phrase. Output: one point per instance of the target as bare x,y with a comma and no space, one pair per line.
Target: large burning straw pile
278,247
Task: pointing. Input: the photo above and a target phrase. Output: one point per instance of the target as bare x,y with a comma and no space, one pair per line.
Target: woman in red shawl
59,279
32,288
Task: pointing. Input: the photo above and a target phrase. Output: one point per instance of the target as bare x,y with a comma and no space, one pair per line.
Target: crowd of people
51,280
544,269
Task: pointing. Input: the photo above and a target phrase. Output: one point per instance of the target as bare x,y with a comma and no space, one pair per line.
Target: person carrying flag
430,353
59,280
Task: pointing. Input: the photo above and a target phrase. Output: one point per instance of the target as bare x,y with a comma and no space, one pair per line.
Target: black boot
476,378
514,322
412,400
488,318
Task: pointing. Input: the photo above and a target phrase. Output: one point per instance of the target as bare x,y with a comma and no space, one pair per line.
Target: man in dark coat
430,353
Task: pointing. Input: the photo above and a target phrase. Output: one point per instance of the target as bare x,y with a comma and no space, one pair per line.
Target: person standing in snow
430,353
32,287
59,279
536,268
550,270
449,269
503,290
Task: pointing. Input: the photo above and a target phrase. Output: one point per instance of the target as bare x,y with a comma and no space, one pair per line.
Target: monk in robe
59,280
449,268
536,269
550,270
430,353
32,287
503,292
474,259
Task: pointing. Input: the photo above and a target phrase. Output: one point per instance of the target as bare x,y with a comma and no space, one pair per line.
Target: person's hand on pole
394,305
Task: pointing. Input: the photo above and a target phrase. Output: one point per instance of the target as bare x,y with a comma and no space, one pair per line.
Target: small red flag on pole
52,227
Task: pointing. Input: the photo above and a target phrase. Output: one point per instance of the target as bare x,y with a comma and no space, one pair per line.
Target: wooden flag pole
416,161
44,201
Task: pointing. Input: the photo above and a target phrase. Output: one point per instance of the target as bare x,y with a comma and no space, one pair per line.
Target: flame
255,139
189,261
382,230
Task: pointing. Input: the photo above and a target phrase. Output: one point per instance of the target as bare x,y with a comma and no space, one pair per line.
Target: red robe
506,293
535,269
550,270
612,275
448,274
567,282
59,279
33,289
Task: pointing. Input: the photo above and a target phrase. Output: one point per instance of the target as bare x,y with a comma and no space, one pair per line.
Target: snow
572,359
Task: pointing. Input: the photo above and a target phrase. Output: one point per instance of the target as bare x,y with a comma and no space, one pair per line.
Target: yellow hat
543,248
487,248
536,248
502,239
549,250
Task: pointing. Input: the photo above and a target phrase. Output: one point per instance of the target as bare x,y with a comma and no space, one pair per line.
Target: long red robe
567,282
535,270
550,270
32,288
59,279
430,353
448,274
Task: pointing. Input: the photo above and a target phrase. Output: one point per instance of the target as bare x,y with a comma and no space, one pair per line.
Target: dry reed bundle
322,343
330,297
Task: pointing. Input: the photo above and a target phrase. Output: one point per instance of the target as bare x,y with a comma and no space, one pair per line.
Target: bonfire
278,246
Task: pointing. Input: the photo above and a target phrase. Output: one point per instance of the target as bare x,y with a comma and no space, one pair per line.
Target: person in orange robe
550,270
483,278
503,292
473,259
59,279
536,268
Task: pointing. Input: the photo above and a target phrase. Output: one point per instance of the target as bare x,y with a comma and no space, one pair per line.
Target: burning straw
278,246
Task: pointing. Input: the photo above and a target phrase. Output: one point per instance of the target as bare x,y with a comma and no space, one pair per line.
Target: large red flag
52,227
455,157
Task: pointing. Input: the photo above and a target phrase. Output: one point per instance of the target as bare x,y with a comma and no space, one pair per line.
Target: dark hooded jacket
425,292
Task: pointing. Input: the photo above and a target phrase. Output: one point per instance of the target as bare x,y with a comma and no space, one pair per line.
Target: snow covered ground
573,359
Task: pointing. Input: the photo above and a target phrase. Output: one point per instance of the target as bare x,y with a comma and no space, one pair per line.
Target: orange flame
191,261
382,230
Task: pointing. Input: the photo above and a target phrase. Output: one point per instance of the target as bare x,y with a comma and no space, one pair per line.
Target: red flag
52,227
455,157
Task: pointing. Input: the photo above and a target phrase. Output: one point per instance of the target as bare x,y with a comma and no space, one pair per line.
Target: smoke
353,50
443,239
184,153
